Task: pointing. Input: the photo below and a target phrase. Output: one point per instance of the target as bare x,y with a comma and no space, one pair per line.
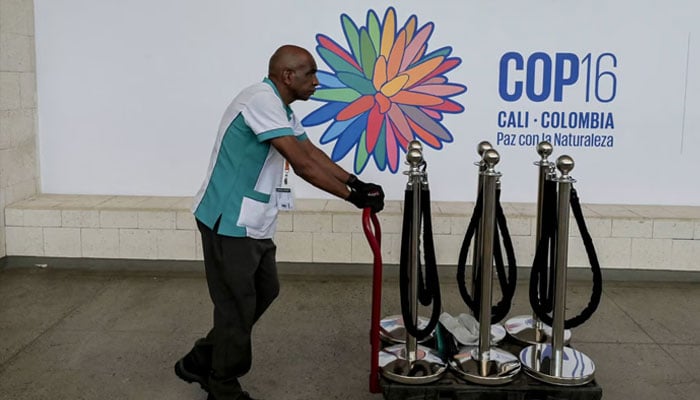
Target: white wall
131,92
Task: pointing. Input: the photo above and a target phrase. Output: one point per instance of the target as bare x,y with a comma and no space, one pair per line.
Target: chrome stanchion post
546,169
393,328
415,180
528,329
555,363
410,362
488,222
484,364
480,149
565,165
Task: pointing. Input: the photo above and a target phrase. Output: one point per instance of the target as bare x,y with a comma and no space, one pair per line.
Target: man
236,212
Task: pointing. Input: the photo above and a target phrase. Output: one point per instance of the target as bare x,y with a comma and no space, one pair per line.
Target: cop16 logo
519,76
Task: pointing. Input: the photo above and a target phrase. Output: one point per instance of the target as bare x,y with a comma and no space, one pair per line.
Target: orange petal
388,33
416,99
421,70
383,102
355,108
396,55
379,77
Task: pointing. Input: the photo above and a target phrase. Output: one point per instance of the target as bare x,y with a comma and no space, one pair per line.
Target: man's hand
356,184
370,195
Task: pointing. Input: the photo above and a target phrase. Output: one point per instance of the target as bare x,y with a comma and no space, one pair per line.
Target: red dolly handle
373,232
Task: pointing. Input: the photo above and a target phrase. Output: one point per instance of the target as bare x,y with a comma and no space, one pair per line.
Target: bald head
288,57
293,71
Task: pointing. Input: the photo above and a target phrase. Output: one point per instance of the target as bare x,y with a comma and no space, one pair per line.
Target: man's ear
287,76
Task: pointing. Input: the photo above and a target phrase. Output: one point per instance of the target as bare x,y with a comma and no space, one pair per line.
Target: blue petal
326,79
336,129
349,138
323,114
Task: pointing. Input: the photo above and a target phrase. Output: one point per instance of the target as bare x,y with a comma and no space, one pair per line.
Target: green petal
334,61
345,95
357,82
361,155
351,33
368,55
374,29
380,149
444,52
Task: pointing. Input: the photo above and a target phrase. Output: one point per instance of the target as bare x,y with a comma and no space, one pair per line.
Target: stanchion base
501,368
523,387
522,329
576,369
393,330
428,366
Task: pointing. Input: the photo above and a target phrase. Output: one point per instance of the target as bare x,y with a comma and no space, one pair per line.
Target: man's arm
318,170
314,166
324,161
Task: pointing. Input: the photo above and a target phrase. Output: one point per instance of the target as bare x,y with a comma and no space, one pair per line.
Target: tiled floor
85,334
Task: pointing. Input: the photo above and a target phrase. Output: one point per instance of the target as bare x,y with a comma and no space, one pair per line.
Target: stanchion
373,232
392,328
412,363
480,150
528,329
485,364
555,363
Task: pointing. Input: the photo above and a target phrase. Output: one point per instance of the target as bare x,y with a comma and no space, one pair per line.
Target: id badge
285,198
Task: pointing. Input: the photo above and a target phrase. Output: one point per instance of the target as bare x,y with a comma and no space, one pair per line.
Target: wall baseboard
390,271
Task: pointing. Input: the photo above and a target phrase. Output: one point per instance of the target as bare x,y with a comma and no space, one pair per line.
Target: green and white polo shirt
245,168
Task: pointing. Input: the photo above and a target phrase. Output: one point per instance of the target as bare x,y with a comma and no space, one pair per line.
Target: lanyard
286,173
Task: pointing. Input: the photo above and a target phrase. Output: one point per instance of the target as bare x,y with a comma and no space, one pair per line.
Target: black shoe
189,375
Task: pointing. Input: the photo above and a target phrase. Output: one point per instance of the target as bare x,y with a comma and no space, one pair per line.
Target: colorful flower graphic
385,91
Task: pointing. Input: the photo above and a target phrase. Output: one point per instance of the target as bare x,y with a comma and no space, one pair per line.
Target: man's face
303,80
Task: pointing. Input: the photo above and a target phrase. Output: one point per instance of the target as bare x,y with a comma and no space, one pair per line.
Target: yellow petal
394,86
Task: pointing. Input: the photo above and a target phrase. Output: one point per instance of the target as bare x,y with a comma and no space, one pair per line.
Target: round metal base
428,366
501,367
393,330
522,329
576,368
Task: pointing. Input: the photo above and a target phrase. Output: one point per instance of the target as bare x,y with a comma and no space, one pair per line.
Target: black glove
355,183
372,197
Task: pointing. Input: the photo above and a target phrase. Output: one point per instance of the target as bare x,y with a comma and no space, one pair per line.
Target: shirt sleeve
266,117
298,128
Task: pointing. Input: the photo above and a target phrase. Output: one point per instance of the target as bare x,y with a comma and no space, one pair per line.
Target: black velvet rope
464,251
430,292
541,284
543,308
432,280
507,281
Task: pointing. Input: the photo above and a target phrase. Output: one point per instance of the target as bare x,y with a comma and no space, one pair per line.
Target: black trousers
242,280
